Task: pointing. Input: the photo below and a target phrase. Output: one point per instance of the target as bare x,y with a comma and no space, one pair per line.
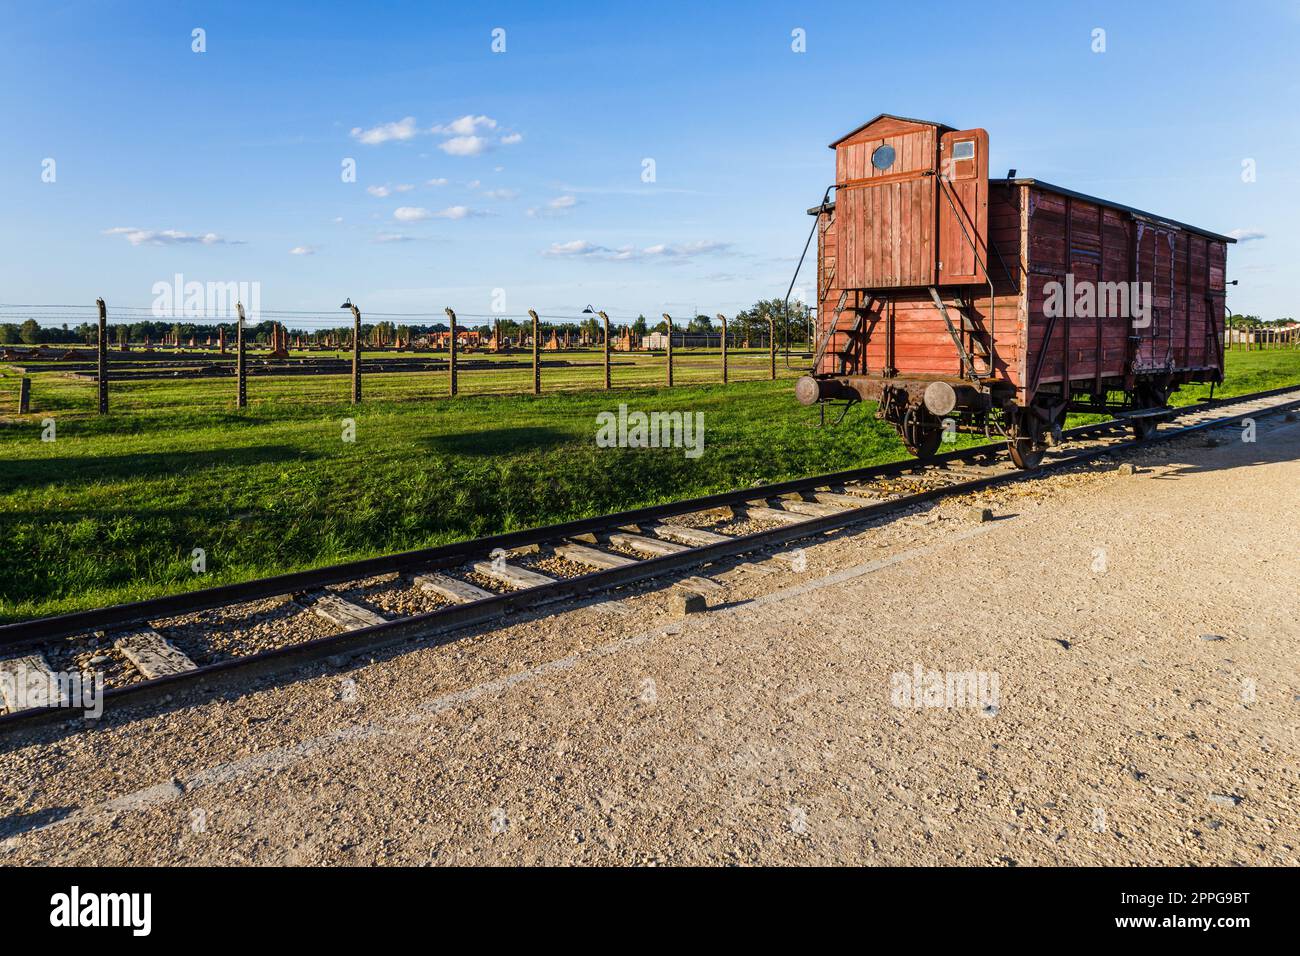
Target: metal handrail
821,207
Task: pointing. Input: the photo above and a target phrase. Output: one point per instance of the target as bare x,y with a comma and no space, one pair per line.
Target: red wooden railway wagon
962,302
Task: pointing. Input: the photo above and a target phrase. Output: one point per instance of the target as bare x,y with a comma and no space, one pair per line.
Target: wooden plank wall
1105,245
829,285
887,217
922,344
1109,245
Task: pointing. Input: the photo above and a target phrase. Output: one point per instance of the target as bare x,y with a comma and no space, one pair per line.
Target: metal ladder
972,334
825,344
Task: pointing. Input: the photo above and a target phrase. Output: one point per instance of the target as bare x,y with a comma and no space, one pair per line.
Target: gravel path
1141,631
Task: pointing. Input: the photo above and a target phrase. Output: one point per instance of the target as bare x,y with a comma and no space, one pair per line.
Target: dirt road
1072,708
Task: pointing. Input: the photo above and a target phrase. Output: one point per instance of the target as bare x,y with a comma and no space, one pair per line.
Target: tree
30,332
639,326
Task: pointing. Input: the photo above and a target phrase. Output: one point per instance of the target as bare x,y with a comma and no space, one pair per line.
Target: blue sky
538,189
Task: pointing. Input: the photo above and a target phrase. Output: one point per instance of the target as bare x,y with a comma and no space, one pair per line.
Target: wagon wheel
921,436
1024,454
1144,428
1149,397
1024,441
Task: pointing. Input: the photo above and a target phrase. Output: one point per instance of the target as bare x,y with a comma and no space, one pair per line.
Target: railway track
148,648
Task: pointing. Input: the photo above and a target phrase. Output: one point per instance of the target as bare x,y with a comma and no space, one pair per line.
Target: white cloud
464,146
581,248
469,135
420,214
1246,235
411,214
393,237
686,250
502,194
555,207
576,247
458,212
472,135
437,181
466,125
168,237
401,130
388,189
302,251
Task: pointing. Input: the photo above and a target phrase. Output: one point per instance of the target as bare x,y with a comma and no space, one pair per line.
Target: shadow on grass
500,441
35,472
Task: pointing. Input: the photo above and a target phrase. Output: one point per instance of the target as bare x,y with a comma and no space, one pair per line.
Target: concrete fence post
771,344
356,355
669,319
241,360
604,318
451,318
101,375
723,319
537,355
24,395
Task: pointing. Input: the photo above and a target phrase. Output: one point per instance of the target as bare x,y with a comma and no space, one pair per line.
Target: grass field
111,510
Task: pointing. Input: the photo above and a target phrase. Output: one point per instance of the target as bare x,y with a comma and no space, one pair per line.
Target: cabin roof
905,119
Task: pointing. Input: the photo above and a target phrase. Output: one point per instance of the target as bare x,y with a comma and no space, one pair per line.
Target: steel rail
22,632
442,556
359,641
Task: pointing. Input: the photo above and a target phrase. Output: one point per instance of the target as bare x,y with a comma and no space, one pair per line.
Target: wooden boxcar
959,302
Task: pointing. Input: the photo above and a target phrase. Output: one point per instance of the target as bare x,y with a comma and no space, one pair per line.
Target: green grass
111,510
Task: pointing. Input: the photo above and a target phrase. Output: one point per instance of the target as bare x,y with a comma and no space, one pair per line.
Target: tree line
748,324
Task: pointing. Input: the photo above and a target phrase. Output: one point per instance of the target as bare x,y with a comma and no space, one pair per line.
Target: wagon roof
1141,213
894,116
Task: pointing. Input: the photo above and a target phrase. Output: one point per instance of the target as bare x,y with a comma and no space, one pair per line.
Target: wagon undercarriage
959,303
926,411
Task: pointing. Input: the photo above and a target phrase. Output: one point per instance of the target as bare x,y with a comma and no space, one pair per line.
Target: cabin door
963,201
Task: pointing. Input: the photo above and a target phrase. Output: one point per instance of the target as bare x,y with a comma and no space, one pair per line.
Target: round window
883,157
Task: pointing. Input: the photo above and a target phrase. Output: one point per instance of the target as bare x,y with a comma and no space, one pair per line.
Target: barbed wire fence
230,333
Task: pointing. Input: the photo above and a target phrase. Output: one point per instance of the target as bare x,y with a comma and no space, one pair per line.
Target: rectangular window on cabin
964,149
